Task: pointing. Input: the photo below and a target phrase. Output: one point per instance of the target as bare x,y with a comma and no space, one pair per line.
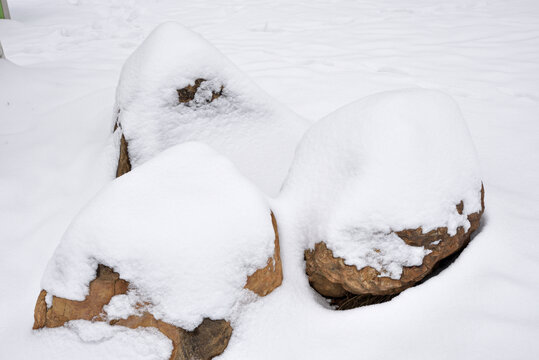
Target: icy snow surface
243,123
392,161
314,56
185,229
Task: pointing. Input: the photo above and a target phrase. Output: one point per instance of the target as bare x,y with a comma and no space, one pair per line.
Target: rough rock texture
106,284
185,95
265,280
331,277
208,340
124,165
188,93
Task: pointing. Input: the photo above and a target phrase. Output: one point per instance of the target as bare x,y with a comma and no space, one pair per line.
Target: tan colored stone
208,340
124,164
331,277
264,281
188,93
185,95
106,284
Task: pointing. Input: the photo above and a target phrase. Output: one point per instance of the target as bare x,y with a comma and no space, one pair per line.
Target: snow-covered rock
108,299
386,187
177,87
186,231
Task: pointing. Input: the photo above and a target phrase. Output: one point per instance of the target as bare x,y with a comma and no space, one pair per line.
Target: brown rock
208,340
185,95
265,280
124,165
188,93
331,277
106,284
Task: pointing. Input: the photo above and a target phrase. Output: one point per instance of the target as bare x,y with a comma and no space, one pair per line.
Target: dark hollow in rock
188,93
347,287
208,340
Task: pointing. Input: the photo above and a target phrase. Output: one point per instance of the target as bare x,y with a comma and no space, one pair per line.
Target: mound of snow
392,161
185,229
228,112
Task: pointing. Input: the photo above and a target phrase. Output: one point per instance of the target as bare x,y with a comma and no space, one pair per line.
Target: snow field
55,121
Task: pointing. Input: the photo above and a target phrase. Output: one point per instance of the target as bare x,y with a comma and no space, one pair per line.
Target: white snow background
56,106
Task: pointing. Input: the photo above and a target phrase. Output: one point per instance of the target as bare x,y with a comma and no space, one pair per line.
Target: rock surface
188,93
264,281
208,340
172,92
124,164
331,277
185,95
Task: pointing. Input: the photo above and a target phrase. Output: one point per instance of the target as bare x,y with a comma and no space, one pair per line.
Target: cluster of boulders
329,274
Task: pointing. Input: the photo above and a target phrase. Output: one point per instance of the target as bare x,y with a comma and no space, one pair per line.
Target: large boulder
386,187
208,340
332,277
177,87
178,244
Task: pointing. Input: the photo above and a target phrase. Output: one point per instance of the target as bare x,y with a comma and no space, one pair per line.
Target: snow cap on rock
177,87
391,161
186,229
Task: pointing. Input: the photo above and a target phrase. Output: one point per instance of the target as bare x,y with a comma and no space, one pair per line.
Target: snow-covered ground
56,102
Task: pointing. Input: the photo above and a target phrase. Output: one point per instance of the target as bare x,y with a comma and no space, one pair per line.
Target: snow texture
56,151
185,229
391,161
125,305
243,123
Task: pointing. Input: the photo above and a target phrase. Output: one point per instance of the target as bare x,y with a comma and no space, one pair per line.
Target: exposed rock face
106,285
208,340
188,93
331,277
124,165
265,280
185,95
